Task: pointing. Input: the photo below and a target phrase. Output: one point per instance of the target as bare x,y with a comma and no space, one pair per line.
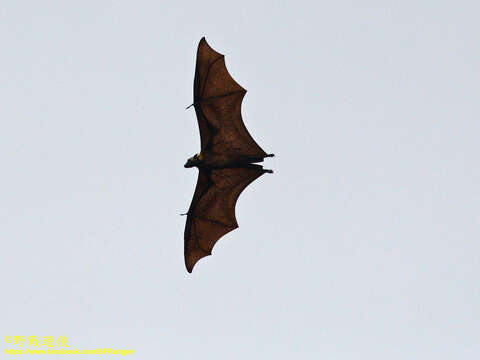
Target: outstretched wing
212,211
218,99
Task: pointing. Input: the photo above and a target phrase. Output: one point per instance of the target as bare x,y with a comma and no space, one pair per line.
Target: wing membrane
218,101
212,211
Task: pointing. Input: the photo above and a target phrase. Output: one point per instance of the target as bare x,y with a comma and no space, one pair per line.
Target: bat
228,156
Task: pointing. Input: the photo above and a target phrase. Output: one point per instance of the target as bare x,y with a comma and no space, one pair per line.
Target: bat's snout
193,161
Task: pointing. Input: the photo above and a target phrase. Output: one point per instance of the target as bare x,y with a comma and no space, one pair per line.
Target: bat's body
227,159
208,160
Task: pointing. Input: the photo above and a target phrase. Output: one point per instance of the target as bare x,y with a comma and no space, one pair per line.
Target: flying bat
228,156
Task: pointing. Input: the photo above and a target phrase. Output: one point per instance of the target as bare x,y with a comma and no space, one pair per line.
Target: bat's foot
270,155
268,171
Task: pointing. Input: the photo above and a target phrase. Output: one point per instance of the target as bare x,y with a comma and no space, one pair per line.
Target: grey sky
364,244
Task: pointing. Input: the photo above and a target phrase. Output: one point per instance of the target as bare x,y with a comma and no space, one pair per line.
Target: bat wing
218,100
212,211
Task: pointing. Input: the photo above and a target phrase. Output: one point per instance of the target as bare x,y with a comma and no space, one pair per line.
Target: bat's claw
268,171
188,107
270,155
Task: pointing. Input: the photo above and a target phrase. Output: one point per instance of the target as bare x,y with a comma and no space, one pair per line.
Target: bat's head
195,160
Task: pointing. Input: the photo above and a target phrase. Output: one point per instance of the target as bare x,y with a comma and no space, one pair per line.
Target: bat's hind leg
257,167
256,159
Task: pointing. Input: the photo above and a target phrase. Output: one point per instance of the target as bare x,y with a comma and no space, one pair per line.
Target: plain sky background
364,244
